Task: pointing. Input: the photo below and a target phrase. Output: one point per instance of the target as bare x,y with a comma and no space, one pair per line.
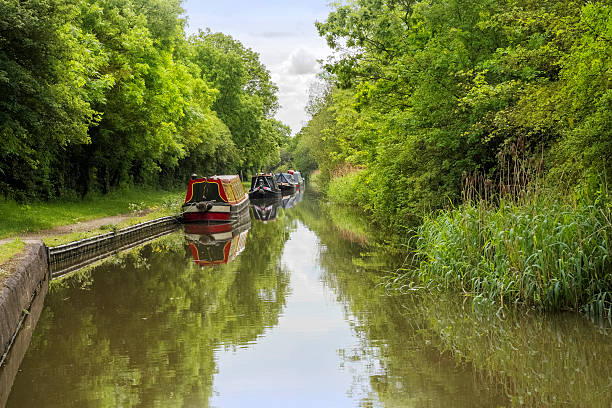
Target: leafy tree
429,91
49,77
247,96
102,94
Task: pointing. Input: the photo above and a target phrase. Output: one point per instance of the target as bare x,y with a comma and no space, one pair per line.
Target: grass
348,189
157,212
16,219
10,249
544,253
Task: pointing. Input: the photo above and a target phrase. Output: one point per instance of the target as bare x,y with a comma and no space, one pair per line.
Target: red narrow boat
216,198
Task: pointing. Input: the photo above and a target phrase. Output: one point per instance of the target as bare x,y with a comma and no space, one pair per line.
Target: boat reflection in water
215,244
265,210
290,201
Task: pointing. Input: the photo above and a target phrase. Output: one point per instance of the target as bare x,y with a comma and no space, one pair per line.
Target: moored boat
285,182
297,179
216,198
264,186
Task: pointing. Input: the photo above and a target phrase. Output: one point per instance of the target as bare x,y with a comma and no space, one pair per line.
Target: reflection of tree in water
428,350
141,330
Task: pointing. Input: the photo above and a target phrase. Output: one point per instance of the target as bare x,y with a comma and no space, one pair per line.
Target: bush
349,189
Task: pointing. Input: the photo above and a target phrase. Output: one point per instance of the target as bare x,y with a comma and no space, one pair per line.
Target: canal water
289,309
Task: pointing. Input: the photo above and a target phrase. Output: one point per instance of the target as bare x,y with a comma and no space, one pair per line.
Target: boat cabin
215,198
264,186
285,182
297,178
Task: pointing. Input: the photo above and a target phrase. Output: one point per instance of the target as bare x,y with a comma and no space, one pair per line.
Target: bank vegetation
484,130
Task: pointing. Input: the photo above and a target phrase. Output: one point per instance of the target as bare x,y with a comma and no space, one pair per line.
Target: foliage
421,92
247,99
348,189
101,94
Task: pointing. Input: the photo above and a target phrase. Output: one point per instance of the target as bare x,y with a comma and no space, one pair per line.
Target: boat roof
285,176
226,177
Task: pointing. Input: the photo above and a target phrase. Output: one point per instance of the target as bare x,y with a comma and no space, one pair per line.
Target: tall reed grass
541,251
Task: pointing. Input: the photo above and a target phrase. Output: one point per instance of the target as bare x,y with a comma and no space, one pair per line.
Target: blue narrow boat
285,182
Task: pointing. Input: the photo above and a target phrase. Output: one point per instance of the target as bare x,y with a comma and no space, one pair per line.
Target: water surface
288,313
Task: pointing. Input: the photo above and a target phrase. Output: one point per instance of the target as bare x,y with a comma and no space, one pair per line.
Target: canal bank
23,277
23,285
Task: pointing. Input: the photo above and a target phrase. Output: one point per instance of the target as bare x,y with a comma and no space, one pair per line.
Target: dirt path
67,229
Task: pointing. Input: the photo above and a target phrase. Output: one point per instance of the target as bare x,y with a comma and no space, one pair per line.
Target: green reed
547,253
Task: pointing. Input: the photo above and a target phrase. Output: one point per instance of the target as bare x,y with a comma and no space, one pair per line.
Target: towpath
83,226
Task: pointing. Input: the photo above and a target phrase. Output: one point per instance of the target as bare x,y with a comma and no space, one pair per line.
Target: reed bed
550,254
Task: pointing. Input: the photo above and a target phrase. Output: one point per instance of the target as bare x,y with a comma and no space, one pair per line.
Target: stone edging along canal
30,272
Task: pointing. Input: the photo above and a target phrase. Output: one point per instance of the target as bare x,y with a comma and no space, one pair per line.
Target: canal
291,312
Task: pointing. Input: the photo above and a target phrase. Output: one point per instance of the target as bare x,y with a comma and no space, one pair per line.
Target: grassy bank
155,212
545,253
16,219
8,250
548,251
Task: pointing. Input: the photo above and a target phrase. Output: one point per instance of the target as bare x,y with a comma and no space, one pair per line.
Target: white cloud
293,77
301,62
275,34
282,33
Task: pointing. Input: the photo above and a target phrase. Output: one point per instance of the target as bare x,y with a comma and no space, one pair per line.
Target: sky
282,32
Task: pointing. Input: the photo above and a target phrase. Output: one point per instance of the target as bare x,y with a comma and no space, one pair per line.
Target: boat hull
264,194
287,189
214,211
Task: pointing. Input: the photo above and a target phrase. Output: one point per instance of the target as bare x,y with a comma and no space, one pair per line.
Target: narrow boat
297,178
215,244
285,182
264,186
216,198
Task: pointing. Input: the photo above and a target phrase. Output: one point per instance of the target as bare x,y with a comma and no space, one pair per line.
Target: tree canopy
423,92
100,94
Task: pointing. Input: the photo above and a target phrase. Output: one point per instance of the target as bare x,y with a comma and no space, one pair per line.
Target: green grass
10,249
17,218
157,212
348,190
543,253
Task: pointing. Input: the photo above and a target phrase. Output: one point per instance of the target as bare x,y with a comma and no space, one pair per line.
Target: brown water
295,318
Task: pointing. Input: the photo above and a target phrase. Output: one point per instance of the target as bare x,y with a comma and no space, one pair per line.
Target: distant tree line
424,93
101,94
